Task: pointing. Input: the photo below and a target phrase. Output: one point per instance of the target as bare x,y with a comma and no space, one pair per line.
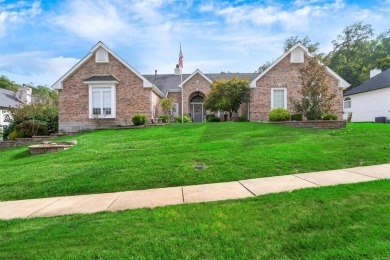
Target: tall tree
290,42
45,95
352,51
315,101
263,67
228,95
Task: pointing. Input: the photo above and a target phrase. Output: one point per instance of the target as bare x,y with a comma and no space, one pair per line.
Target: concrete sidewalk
187,194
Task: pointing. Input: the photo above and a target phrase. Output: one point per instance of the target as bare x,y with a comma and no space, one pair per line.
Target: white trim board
59,83
341,82
197,71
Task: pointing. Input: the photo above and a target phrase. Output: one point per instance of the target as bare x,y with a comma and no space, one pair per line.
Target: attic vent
101,55
297,56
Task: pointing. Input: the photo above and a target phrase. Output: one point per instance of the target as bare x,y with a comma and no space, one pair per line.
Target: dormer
101,55
297,56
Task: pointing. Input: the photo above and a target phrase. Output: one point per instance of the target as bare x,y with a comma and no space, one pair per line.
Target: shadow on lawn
21,155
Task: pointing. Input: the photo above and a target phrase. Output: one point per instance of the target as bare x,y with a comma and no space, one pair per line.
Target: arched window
347,102
196,99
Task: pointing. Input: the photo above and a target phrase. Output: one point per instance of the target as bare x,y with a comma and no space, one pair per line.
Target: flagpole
181,82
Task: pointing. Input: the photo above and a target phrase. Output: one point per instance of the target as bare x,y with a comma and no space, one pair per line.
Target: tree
43,94
166,104
8,84
290,42
263,67
353,53
228,95
315,100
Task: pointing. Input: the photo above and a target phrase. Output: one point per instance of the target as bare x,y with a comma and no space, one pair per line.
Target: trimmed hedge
139,119
279,114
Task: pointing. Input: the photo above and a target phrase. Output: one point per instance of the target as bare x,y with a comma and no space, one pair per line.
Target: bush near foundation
186,119
279,114
139,119
330,117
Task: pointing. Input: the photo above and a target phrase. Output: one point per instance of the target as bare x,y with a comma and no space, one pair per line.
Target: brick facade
285,74
131,96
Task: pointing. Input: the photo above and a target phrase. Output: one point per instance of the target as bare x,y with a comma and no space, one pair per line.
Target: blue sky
42,40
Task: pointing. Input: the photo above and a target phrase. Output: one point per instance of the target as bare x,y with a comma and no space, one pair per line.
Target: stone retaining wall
22,141
319,124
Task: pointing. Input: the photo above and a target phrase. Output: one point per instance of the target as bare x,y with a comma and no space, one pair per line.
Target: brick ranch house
102,85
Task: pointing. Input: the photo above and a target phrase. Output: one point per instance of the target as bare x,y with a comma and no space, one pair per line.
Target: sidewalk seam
120,193
247,188
45,207
306,180
182,194
362,174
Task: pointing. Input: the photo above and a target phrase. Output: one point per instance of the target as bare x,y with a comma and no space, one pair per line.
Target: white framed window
297,56
101,55
102,100
279,98
175,110
347,102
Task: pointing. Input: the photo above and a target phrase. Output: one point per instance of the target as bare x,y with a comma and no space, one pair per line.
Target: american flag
180,58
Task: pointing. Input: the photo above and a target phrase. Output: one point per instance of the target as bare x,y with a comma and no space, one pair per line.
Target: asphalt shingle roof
165,82
102,78
379,81
8,99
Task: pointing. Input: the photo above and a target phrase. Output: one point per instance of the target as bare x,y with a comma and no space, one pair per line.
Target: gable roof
58,83
342,82
8,99
382,80
197,71
170,82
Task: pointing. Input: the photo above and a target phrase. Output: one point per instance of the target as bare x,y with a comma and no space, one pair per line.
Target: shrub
27,129
330,117
296,117
165,119
42,130
13,135
139,119
279,114
242,118
212,118
186,119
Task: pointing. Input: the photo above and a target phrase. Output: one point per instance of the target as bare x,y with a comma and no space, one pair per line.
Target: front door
198,112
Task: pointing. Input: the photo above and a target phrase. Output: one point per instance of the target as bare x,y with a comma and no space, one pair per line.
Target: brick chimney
177,70
24,94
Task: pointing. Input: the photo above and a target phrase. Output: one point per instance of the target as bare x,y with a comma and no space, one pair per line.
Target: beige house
103,87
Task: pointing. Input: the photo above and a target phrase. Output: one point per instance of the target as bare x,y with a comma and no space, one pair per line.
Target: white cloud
92,20
17,13
37,67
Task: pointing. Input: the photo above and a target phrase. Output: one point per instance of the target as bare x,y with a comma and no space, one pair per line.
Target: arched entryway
196,106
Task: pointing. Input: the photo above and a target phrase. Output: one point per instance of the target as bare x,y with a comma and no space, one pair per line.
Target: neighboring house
369,100
103,87
11,100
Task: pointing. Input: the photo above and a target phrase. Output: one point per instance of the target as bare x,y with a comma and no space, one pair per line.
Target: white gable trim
59,83
342,83
197,71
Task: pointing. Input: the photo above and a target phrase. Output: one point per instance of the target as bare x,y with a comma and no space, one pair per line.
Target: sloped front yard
117,160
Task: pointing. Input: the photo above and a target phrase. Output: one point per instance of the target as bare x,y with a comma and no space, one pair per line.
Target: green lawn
117,160
340,222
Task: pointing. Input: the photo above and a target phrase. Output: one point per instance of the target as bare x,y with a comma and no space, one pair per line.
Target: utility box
380,119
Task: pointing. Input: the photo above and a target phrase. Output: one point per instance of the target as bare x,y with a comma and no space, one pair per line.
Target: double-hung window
279,98
102,101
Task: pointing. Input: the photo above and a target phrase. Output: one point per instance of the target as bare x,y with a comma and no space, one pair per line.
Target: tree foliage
315,100
45,95
166,104
263,67
290,42
8,84
228,95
